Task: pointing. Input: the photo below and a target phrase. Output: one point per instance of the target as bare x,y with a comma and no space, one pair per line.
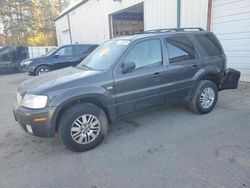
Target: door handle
194,66
157,74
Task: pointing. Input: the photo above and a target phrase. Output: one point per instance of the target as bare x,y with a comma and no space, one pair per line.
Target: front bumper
27,69
26,118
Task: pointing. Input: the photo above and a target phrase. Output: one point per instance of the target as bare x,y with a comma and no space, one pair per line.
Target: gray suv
121,76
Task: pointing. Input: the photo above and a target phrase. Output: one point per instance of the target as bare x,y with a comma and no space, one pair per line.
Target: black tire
40,68
195,102
71,115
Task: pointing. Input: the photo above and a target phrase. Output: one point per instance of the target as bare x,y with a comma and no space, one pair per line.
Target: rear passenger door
183,64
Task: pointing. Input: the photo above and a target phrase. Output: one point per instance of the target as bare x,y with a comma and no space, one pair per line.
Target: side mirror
128,67
56,55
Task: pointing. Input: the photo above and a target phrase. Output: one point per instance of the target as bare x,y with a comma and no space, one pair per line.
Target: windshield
51,52
105,55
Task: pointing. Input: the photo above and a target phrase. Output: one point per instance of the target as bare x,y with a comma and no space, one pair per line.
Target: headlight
34,101
26,62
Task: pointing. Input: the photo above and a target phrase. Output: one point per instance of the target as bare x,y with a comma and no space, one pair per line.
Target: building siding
90,21
231,24
194,13
160,14
61,26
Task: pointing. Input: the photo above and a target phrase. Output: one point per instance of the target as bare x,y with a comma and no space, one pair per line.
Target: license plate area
231,79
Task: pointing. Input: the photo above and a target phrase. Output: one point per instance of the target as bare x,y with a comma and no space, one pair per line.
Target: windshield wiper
85,67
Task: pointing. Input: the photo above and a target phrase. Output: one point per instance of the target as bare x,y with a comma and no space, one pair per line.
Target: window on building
146,54
179,49
209,44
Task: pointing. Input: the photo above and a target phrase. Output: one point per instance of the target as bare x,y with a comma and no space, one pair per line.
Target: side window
65,51
79,50
179,49
146,54
209,44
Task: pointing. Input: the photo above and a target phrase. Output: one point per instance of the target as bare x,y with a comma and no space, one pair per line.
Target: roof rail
182,29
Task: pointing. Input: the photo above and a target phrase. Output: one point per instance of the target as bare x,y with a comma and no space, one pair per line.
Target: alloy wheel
207,98
85,129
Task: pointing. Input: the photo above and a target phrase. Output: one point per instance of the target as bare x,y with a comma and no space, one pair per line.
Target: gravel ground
159,147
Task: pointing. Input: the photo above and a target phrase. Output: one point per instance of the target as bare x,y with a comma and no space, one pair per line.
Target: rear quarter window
210,44
180,49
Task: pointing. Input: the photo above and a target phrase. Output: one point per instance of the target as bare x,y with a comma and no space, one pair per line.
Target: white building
94,21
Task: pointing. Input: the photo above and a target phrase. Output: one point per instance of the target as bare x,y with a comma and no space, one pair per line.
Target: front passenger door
64,57
139,88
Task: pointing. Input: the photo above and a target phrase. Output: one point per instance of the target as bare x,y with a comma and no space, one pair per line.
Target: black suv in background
10,58
124,75
64,56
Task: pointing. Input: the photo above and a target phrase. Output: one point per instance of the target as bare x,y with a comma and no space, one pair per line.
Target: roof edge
71,9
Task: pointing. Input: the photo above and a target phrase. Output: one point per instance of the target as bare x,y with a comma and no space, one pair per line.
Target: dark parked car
125,75
10,58
64,56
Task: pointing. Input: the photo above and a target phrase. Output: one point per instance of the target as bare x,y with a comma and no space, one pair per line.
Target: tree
16,19
29,22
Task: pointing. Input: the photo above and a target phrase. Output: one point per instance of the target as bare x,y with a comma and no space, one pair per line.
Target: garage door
231,24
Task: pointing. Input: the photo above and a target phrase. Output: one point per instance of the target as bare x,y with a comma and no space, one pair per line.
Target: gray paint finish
119,93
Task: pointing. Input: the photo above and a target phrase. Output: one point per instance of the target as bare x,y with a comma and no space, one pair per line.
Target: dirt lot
161,147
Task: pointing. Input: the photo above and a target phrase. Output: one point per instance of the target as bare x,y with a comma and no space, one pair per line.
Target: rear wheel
204,98
41,70
83,127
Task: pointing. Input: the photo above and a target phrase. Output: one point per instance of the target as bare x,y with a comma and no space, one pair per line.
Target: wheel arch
209,73
40,65
212,77
92,100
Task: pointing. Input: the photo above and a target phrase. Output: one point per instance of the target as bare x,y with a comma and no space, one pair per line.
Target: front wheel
83,127
204,97
41,70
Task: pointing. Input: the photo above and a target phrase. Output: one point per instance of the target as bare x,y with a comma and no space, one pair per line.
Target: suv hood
56,80
36,58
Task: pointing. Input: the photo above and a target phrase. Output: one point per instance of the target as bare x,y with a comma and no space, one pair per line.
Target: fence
35,51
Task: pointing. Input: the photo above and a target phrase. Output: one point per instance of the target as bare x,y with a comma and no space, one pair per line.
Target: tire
197,103
42,69
75,137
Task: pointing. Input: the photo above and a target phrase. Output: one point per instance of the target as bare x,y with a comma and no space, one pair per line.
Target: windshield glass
51,51
105,55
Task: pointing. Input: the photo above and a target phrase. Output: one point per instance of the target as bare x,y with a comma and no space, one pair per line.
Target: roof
80,45
71,8
161,32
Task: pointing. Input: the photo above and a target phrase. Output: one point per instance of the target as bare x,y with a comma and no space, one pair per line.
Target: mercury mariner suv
121,76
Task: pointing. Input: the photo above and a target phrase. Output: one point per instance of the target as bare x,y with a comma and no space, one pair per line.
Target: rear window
209,44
